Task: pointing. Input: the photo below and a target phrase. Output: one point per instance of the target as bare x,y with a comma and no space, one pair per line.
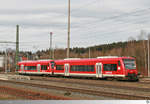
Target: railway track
143,82
28,94
97,84
84,91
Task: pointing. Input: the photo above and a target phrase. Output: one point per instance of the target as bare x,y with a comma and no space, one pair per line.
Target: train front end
131,72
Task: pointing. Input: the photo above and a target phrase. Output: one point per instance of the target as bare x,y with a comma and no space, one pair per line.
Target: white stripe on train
75,74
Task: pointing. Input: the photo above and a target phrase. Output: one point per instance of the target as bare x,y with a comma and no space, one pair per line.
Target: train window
33,68
110,67
83,68
59,67
129,63
29,67
43,67
73,68
25,68
114,67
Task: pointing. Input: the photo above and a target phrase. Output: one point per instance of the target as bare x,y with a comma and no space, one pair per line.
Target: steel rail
85,91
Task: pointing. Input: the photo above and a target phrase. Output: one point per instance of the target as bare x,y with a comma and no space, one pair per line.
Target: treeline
134,48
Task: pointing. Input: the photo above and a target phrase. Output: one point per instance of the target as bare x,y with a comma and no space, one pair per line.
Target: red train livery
36,67
101,67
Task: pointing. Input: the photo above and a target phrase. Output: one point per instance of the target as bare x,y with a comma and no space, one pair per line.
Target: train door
52,65
22,67
98,70
66,72
38,67
119,69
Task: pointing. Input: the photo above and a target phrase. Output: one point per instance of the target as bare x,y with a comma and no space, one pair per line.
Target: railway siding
28,94
139,88
16,77
106,88
97,91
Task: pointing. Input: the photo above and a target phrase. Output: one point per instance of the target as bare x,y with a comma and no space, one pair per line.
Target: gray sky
76,102
93,22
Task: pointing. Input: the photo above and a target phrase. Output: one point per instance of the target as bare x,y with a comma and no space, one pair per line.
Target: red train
101,67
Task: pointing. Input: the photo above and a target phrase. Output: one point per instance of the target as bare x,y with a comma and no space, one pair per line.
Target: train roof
35,61
77,59
94,59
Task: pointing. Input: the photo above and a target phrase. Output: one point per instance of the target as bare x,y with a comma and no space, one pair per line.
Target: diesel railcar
100,67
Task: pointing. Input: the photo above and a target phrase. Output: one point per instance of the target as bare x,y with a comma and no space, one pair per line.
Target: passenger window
110,67
43,67
83,68
59,67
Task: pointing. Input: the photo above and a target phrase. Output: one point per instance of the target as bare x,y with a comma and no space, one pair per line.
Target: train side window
33,67
59,67
43,67
119,63
25,68
114,67
30,68
83,68
107,67
110,67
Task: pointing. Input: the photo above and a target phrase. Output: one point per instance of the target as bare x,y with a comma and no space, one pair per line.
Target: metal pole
68,43
53,54
148,55
6,61
89,52
51,45
17,46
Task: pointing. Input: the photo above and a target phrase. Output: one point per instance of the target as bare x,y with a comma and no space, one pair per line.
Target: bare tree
142,37
131,41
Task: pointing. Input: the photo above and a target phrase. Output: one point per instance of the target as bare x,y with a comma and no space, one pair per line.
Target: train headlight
119,68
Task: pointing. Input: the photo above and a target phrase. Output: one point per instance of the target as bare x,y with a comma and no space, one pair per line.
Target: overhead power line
116,25
122,23
85,5
106,19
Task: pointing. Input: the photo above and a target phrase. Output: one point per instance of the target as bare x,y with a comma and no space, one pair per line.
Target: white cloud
93,22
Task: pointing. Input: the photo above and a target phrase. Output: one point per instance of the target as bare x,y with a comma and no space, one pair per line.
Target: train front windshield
129,63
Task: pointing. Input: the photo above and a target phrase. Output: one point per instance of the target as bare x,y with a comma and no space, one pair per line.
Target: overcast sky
93,22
